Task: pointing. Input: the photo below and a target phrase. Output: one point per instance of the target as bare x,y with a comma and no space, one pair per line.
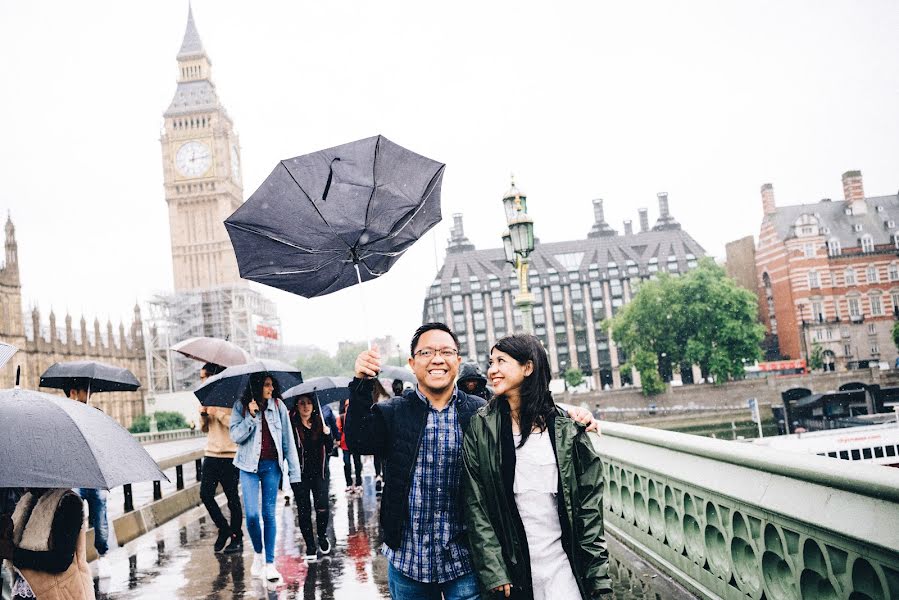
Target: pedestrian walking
260,426
45,542
532,486
472,381
348,456
420,436
218,468
78,390
378,394
314,441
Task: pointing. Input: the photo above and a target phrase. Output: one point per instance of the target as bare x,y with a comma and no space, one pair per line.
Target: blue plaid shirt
430,551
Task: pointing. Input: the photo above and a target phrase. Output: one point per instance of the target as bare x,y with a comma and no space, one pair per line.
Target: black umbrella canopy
52,442
325,389
231,384
99,377
318,216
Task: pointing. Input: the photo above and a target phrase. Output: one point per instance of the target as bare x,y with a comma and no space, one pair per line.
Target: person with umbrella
260,426
420,436
314,441
45,541
218,468
49,445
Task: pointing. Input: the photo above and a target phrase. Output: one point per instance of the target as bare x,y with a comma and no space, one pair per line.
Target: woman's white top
536,486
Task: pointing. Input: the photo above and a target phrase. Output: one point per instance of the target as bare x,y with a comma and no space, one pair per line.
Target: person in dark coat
471,381
420,437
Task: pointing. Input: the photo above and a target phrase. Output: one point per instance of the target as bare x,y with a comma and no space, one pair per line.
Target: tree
574,377
346,357
816,360
165,421
317,364
700,318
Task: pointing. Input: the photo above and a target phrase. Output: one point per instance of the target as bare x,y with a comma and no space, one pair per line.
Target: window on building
653,265
455,286
833,247
893,272
809,250
477,302
847,350
632,267
854,308
829,333
867,243
875,350
480,324
496,299
813,279
613,269
876,305
817,311
570,261
849,276
558,313
872,328
616,288
577,293
474,283
894,296
691,261
458,305
871,274
555,293
896,240
553,275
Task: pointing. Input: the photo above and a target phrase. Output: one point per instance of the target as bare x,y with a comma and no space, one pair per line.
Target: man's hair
430,327
212,369
77,383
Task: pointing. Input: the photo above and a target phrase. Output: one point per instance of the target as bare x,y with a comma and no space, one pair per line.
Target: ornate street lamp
518,243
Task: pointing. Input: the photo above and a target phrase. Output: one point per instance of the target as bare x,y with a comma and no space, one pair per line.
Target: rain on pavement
176,560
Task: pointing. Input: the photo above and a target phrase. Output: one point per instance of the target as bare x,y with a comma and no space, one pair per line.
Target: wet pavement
177,561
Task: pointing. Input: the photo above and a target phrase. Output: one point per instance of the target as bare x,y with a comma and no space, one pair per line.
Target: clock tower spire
201,169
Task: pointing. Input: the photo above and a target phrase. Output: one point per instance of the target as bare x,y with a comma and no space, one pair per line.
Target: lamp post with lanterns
518,243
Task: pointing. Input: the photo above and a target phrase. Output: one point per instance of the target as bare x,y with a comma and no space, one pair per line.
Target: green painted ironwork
733,520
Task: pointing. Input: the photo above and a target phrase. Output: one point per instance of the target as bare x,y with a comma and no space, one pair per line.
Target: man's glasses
428,353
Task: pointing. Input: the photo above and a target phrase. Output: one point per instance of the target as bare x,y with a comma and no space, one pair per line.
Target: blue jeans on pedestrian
96,509
266,476
404,588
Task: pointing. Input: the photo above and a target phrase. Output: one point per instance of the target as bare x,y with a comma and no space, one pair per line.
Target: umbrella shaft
362,305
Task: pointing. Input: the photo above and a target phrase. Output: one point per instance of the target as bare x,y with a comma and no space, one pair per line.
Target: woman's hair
254,390
315,421
536,400
378,392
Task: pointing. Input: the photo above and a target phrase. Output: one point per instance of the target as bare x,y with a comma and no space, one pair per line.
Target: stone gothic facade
43,343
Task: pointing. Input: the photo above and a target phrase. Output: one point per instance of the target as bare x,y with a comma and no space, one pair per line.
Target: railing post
179,477
157,490
129,497
199,465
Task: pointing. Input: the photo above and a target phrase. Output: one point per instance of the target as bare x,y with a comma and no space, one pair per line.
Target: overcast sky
613,100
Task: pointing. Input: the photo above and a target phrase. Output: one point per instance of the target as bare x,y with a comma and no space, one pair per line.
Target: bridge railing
731,520
167,436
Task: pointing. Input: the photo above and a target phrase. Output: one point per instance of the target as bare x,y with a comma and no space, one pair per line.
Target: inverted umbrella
212,350
326,390
231,384
98,377
52,442
325,221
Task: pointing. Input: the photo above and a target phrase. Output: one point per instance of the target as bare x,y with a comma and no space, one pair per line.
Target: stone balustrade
734,520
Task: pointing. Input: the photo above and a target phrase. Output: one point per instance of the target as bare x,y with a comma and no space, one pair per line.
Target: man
420,436
78,390
472,382
218,468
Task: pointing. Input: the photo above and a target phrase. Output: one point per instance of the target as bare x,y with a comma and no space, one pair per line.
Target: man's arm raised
365,428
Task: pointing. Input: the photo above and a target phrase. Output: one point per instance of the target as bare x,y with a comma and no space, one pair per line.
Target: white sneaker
258,568
271,573
311,558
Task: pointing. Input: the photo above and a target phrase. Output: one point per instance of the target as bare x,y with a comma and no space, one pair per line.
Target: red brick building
828,274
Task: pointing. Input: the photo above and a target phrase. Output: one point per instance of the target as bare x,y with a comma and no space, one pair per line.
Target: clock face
235,163
193,159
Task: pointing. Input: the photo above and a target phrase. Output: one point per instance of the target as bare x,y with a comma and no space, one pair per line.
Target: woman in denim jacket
260,426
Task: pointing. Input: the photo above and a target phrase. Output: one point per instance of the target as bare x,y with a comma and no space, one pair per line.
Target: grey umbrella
401,373
213,350
52,442
98,377
328,220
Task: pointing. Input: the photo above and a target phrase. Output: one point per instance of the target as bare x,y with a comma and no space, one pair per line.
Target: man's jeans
96,509
404,588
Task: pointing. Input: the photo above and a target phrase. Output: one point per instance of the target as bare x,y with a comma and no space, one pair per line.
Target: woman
260,426
45,542
533,486
347,456
314,443
378,393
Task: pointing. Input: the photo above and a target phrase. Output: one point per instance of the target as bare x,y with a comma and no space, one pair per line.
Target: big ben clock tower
201,166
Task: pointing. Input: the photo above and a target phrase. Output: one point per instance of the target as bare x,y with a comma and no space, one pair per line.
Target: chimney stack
628,227
768,205
854,192
665,221
663,205
600,227
458,242
644,220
